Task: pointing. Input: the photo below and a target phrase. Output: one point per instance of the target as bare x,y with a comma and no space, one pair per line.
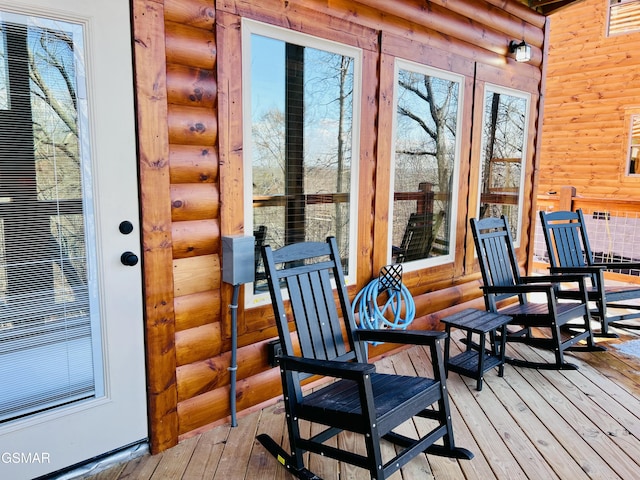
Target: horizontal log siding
592,81
202,197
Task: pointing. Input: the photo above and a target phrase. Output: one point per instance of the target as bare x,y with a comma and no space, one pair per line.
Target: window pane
4,75
302,104
425,166
634,146
504,134
624,16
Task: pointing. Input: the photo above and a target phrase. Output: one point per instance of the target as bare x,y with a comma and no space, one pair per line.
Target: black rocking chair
325,342
503,283
569,251
419,237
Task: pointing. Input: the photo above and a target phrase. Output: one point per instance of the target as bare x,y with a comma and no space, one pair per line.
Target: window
634,146
302,96
504,140
425,165
4,70
624,16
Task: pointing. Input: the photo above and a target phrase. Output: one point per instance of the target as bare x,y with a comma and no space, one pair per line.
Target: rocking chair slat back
567,239
565,234
497,258
309,287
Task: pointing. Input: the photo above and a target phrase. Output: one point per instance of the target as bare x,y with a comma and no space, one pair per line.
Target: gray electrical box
238,259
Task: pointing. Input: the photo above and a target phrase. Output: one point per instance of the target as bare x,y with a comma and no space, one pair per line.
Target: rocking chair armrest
518,289
329,368
618,265
585,269
407,337
552,279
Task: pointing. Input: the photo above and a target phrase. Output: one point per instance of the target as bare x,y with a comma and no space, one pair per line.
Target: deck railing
613,226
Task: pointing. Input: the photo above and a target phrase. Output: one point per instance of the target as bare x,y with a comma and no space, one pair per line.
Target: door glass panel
425,166
504,141
48,333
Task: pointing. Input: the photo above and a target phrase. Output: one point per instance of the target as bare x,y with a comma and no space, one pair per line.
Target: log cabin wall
593,87
189,97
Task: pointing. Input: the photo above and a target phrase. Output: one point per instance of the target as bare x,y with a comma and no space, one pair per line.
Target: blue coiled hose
372,315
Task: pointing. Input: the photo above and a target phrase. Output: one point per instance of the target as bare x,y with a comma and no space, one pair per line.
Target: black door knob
125,227
129,258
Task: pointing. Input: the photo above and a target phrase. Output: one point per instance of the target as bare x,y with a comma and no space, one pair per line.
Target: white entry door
72,377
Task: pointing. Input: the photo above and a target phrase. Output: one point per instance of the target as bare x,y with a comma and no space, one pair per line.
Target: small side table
473,363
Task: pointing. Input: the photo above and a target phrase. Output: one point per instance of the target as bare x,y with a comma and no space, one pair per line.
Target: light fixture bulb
521,49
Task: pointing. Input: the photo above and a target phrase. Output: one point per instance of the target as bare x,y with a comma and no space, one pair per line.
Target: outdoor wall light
521,49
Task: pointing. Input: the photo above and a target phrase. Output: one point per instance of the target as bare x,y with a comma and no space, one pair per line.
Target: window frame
248,28
629,116
610,7
401,63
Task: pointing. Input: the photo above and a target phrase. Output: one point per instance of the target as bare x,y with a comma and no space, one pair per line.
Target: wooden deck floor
530,424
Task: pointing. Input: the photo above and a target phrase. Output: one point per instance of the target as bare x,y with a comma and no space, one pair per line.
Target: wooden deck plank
419,467
491,444
174,464
490,441
598,428
206,455
322,466
545,404
552,452
141,468
110,474
582,424
235,459
478,467
519,444
261,463
610,397
614,420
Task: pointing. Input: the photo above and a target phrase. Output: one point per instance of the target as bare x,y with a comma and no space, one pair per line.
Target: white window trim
611,6
629,144
431,71
523,166
250,27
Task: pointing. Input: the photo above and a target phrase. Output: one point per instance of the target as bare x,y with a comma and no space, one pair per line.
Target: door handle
129,258
125,227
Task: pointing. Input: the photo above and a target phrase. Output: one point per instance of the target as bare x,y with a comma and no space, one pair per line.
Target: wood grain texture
197,309
194,13
151,92
193,164
194,201
196,274
191,86
195,237
591,84
193,47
